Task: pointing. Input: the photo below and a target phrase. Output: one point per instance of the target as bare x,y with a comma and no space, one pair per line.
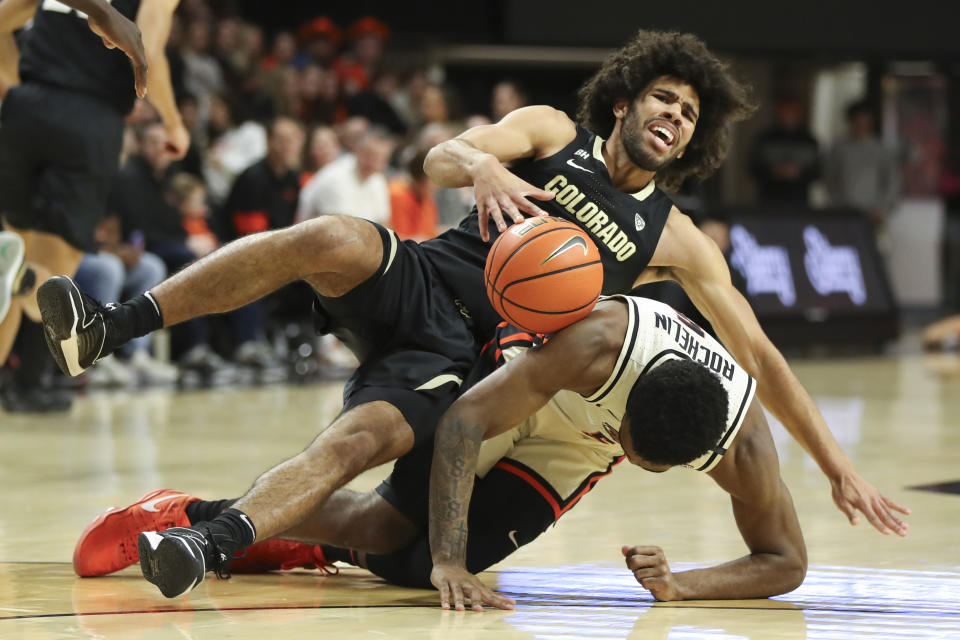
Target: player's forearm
9,58
456,162
96,9
758,575
451,483
160,89
781,393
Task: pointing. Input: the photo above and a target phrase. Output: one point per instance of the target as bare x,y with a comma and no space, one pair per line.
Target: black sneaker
177,559
75,325
17,399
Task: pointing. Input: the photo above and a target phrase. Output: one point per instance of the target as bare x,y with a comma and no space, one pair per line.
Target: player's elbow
791,570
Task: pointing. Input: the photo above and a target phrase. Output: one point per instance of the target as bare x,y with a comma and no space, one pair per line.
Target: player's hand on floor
117,32
852,494
649,566
499,192
457,586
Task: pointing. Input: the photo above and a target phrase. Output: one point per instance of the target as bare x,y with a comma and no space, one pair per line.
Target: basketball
543,274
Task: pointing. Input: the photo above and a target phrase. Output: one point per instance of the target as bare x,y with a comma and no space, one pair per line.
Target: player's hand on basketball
649,566
498,192
458,586
178,140
117,32
852,494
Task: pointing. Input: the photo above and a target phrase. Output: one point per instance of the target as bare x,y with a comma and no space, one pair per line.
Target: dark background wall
923,28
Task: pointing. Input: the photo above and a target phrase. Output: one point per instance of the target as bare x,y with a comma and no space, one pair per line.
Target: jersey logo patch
576,166
575,241
638,222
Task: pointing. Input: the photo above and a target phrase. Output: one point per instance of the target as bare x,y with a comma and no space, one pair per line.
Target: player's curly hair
677,412
651,54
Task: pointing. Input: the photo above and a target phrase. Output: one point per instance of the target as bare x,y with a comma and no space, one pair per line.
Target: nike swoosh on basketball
513,538
575,241
574,164
152,505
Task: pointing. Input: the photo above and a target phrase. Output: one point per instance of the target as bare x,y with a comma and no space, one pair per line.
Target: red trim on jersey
549,494
535,483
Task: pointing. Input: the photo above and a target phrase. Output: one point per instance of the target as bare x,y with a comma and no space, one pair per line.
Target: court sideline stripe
567,605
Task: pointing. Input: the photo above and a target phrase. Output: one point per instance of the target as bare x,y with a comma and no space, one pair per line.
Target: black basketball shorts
415,346
59,151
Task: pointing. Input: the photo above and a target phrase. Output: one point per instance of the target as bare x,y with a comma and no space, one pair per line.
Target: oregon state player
416,313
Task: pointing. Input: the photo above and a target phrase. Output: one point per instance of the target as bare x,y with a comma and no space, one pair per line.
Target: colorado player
62,131
415,314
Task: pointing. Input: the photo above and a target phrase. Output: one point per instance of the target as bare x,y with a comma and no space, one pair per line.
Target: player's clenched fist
650,568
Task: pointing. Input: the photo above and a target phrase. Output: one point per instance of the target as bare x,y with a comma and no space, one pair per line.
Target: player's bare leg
342,251
177,559
46,255
335,253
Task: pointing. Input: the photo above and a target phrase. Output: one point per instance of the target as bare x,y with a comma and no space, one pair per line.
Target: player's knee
357,451
342,246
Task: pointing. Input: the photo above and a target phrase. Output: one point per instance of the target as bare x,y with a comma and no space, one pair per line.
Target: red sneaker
109,543
283,555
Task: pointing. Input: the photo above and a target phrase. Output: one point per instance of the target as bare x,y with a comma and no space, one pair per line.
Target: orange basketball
543,274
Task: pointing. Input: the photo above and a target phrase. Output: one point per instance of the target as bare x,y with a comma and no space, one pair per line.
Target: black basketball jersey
626,227
60,50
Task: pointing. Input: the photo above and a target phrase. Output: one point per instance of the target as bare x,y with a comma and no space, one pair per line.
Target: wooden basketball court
898,417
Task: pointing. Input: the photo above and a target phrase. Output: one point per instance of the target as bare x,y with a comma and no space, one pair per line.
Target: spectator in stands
319,42
264,196
119,271
323,149
375,104
351,131
786,158
140,197
440,105
282,53
408,96
202,74
413,209
950,192
235,144
861,173
189,195
319,96
367,37
354,185
508,95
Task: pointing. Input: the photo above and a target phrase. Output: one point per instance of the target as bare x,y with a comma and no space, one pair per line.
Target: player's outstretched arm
579,358
693,260
154,19
777,562
475,158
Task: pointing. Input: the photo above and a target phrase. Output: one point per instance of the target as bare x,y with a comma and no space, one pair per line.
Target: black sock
134,318
232,531
339,554
33,355
206,510
25,280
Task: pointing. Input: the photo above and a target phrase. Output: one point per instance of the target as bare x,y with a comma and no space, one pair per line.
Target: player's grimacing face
659,123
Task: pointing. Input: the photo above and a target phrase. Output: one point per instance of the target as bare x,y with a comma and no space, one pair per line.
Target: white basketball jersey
655,334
